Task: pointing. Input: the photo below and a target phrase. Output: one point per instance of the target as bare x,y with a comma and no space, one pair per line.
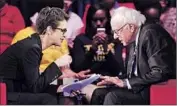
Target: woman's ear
49,30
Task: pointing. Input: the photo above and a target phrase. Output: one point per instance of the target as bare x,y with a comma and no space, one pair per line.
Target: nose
63,36
98,23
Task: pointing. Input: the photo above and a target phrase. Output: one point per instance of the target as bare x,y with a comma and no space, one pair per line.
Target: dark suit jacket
156,57
19,67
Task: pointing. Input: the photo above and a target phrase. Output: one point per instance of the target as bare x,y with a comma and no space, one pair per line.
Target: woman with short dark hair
19,64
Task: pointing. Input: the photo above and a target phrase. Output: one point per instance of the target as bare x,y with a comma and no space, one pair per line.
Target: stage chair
163,93
3,94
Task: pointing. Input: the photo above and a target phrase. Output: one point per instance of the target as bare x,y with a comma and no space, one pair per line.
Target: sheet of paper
80,84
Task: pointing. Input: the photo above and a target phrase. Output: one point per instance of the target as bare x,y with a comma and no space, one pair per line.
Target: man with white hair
151,59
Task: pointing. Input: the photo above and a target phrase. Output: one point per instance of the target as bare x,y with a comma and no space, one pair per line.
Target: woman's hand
68,73
63,61
83,74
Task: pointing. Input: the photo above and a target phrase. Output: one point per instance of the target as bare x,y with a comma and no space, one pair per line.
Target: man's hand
106,80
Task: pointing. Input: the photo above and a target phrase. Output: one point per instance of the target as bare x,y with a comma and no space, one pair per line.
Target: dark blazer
19,67
156,58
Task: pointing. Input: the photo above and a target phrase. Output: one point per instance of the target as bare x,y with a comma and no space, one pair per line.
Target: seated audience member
150,9
164,4
159,13
26,32
11,21
110,4
151,60
168,18
74,24
95,50
19,64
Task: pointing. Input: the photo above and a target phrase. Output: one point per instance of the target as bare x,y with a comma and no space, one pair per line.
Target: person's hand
106,80
103,36
75,93
67,73
83,74
99,38
65,60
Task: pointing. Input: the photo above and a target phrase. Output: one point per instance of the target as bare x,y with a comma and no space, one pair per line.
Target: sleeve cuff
128,84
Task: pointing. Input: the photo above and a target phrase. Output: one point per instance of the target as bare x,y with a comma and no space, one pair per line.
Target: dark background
29,7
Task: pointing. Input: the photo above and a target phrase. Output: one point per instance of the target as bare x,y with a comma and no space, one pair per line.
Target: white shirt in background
74,27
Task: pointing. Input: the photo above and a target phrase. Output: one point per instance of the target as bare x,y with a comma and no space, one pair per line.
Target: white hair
124,15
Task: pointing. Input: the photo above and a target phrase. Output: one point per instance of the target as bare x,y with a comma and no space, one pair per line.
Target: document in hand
80,84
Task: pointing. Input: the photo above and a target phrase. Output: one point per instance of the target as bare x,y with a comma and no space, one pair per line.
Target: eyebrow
122,26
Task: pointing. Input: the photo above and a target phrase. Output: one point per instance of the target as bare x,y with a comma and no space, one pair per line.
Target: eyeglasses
62,30
117,31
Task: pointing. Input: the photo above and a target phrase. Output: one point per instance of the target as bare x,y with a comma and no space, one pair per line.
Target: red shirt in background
11,21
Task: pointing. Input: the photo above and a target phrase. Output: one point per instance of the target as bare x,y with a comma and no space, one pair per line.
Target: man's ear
132,27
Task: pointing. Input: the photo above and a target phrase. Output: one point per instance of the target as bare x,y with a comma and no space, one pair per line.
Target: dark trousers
116,96
31,99
49,97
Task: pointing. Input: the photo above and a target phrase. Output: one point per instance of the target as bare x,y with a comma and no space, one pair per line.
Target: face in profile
67,4
99,19
57,35
125,33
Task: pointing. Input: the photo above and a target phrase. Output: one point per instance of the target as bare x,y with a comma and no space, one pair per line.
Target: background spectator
74,25
150,8
168,17
110,4
11,21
